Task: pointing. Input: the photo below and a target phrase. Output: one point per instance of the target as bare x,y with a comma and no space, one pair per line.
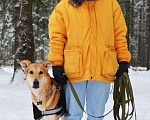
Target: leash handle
78,100
123,94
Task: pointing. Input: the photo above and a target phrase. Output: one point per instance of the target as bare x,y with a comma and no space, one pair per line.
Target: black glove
123,67
58,75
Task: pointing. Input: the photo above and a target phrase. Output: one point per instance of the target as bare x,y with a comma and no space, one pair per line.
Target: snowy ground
15,99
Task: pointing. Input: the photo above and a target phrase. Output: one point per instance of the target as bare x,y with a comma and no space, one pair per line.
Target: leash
123,98
78,100
122,90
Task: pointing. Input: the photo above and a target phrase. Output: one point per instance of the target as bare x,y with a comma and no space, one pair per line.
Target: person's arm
58,38
120,30
57,35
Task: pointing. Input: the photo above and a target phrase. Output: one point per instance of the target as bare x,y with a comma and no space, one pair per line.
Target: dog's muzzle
35,84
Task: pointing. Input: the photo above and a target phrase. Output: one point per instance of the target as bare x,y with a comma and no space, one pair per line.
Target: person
87,41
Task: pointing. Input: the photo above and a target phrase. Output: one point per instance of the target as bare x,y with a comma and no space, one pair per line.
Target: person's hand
123,67
58,75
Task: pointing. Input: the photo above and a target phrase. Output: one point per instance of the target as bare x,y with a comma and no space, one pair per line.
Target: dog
45,91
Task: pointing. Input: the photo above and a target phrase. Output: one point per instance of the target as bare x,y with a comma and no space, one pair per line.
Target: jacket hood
77,3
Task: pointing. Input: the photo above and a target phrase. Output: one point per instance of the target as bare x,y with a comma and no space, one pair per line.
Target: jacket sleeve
120,30
57,35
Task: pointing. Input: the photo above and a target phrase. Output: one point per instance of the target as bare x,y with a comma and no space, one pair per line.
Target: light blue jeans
96,94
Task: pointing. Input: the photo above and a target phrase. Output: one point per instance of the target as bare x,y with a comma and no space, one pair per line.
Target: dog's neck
44,98
39,98
41,95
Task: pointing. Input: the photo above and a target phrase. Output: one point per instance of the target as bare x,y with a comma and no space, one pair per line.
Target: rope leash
122,90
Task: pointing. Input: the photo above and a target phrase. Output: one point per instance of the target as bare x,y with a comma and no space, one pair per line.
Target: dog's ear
24,64
47,64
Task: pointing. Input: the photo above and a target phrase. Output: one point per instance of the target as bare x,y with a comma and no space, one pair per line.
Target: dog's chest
42,106
51,117
44,103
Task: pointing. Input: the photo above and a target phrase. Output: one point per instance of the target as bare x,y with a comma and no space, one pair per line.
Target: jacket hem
103,79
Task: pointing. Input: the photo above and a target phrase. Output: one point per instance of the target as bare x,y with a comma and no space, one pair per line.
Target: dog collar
50,90
42,95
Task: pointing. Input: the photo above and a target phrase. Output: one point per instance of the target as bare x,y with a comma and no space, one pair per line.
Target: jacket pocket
109,63
72,62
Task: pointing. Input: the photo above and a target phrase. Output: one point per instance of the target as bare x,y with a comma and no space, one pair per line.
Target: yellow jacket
89,40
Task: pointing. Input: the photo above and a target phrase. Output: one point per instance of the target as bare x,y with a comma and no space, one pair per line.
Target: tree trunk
140,41
128,21
24,41
148,38
3,31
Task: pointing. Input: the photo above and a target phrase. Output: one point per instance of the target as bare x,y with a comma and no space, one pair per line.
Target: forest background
24,30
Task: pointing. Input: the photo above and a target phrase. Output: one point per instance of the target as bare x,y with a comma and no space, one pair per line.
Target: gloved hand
58,75
123,67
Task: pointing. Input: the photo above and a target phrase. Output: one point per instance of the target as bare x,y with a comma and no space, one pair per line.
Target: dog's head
36,74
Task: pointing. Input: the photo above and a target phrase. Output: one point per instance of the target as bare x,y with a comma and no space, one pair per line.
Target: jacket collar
77,3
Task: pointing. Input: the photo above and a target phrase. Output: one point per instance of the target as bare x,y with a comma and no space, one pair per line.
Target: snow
15,99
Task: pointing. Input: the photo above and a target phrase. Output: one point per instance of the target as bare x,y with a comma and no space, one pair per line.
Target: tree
3,30
148,31
24,41
41,12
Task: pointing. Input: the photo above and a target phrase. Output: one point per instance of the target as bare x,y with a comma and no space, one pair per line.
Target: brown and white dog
45,91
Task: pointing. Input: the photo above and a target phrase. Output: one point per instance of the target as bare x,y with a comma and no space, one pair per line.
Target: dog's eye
31,72
41,72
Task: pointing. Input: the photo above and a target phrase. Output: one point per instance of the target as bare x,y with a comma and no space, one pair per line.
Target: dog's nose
36,84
